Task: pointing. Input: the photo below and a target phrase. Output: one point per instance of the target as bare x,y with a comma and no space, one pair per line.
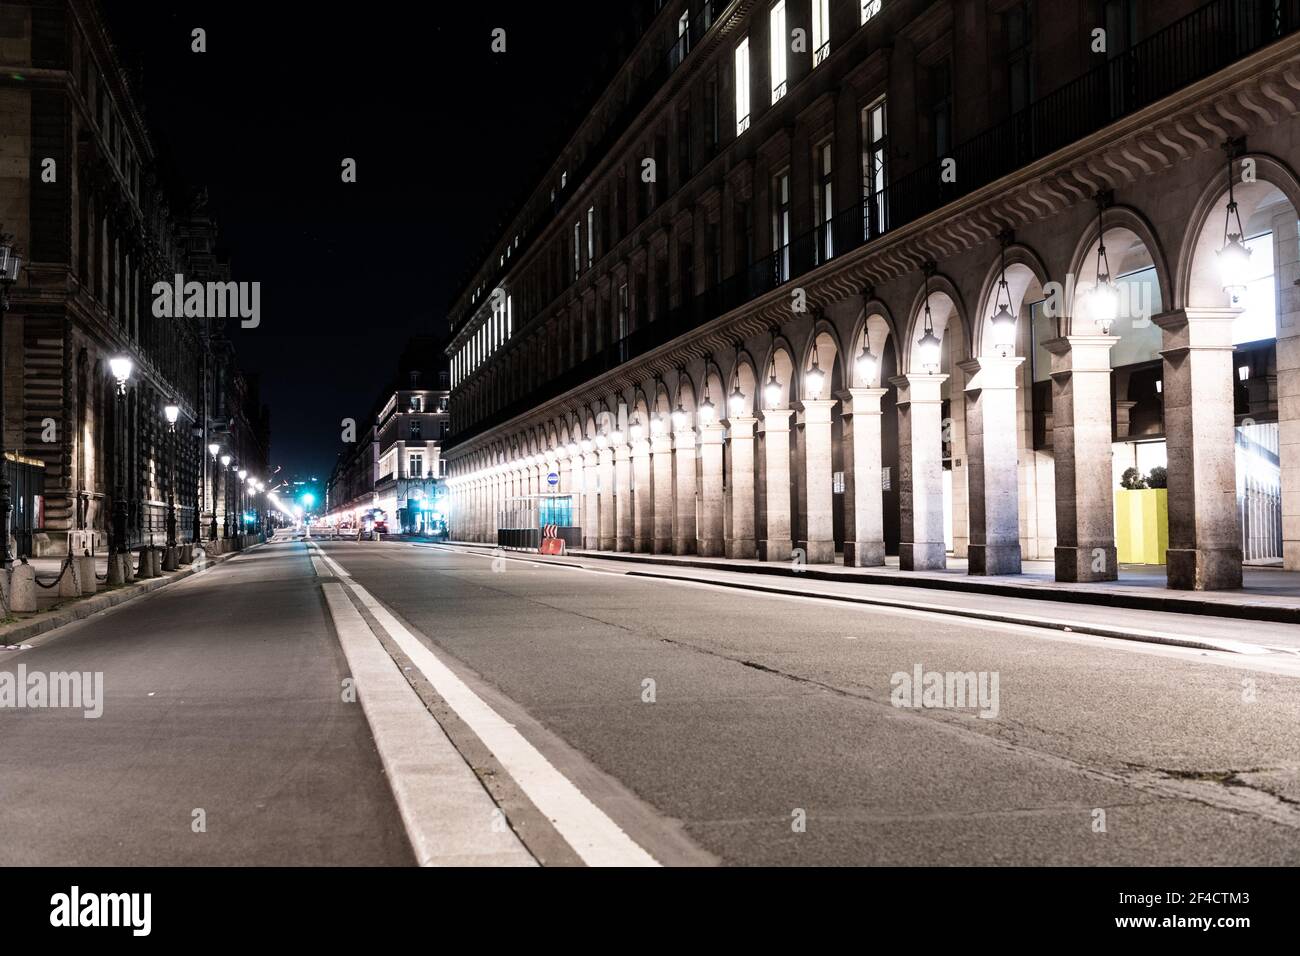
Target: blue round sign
552,478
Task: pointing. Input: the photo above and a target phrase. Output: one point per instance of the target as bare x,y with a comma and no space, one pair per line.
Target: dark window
684,167
712,119
713,253
941,107
1017,31
686,271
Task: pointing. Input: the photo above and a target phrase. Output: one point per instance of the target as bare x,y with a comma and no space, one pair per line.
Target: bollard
116,572
70,579
171,559
155,561
128,567
187,553
22,588
86,572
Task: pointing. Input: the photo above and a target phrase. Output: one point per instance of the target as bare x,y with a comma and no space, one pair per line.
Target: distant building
395,466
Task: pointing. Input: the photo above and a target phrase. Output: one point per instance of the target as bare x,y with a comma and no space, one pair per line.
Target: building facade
840,279
79,192
396,466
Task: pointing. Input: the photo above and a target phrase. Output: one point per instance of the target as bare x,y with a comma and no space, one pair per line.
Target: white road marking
447,814
597,839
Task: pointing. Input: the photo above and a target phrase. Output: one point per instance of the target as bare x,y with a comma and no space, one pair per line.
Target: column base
993,559
775,551
710,548
745,548
606,543
1080,565
1201,569
683,545
642,545
922,556
818,552
867,554
623,543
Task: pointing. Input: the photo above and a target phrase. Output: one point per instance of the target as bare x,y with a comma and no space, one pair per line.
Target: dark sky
446,135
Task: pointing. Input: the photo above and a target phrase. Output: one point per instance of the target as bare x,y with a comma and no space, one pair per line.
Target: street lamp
927,347
736,401
225,498
636,429
121,366
706,408
1234,257
866,362
772,390
814,378
1103,302
10,264
173,412
1003,322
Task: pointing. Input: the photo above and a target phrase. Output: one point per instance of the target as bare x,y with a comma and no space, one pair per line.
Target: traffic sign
552,478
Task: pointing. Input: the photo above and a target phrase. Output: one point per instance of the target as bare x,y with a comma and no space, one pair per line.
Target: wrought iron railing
1203,42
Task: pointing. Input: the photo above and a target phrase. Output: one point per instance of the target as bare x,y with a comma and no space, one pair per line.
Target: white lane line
448,816
597,839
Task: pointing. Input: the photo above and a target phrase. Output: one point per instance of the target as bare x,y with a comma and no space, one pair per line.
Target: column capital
712,435
777,419
661,444
684,439
991,371
1194,328
622,452
640,449
1082,353
740,427
918,388
816,410
862,401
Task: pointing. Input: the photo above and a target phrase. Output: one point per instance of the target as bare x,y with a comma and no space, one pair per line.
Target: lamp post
212,527
121,367
173,412
239,508
10,263
225,497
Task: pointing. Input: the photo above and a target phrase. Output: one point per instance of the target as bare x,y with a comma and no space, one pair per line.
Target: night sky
447,135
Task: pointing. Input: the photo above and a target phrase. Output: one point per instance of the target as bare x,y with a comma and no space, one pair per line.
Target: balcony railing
1200,44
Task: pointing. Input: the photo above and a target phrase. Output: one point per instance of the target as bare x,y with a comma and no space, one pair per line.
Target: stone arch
877,322
1198,274
1026,278
779,361
744,374
823,341
1130,244
949,316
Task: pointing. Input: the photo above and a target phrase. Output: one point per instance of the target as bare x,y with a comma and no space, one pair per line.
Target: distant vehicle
381,524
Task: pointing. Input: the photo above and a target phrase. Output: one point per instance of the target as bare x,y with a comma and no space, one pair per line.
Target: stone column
606,478
742,543
1286,271
662,474
566,478
642,499
577,488
776,486
710,542
623,498
819,528
920,472
864,518
684,520
993,465
1081,439
1200,435
591,501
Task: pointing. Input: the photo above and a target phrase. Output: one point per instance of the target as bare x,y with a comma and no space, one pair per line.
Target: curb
1279,614
13,634
1023,620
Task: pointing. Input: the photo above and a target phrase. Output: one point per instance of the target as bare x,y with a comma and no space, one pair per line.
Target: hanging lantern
866,362
927,347
736,402
814,378
1234,257
1103,302
636,428
1003,321
772,390
706,409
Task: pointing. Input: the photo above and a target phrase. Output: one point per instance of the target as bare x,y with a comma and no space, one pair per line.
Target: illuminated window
776,20
742,86
821,30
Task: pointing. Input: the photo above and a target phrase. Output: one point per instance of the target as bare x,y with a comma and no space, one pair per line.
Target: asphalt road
711,725
221,694
771,710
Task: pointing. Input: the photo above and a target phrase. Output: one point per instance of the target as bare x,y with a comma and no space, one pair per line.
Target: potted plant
1142,516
